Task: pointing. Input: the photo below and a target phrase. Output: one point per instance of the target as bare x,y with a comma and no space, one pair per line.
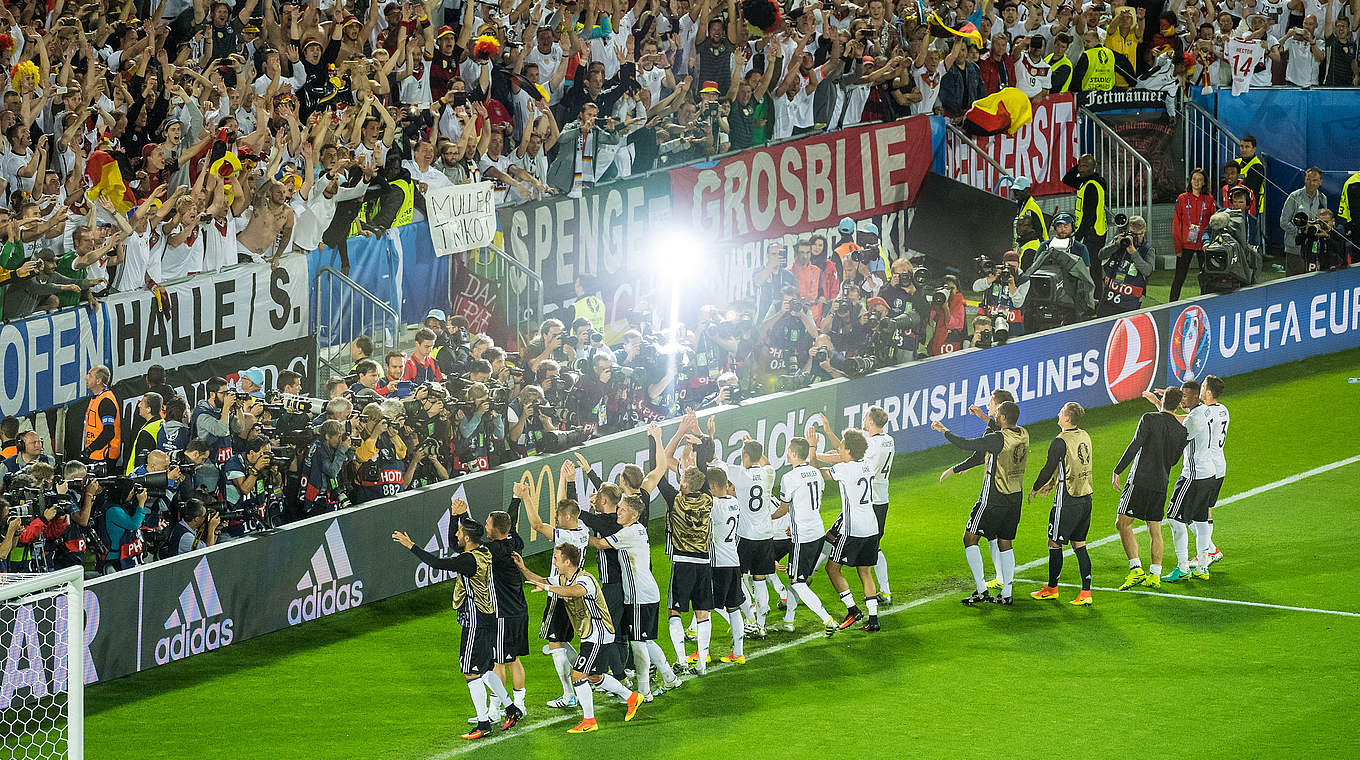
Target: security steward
1090,210
103,439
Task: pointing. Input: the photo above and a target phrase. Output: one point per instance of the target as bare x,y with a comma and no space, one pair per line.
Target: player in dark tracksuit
602,520
512,611
1156,448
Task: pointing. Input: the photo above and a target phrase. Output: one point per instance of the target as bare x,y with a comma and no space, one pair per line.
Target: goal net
42,621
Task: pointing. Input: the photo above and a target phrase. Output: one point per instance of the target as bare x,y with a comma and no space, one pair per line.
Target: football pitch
1259,660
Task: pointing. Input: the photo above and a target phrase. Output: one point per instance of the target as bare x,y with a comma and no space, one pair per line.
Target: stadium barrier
215,597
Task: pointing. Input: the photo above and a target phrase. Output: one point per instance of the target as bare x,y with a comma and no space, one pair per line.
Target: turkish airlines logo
1190,345
193,627
326,591
1131,357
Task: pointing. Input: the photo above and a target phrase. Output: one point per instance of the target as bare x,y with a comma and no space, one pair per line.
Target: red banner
801,186
1042,150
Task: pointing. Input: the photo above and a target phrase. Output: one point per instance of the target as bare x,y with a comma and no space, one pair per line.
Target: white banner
244,308
462,217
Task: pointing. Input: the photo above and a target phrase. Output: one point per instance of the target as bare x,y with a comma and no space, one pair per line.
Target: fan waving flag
968,31
1006,111
106,179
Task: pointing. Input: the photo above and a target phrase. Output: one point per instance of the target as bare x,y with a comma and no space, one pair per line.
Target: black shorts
639,622
756,555
803,560
1070,518
833,534
512,638
727,591
995,516
1142,503
781,548
856,551
476,647
594,658
881,512
691,587
556,626
1192,499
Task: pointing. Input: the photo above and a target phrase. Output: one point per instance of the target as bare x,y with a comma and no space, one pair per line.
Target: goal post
42,685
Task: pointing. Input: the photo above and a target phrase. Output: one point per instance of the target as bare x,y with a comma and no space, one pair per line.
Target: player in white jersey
880,457
857,544
641,597
753,488
564,528
724,558
800,499
1202,471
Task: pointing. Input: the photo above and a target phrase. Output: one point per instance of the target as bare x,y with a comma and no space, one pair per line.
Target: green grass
1135,674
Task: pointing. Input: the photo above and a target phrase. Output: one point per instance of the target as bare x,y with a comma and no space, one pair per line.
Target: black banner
1158,138
1123,100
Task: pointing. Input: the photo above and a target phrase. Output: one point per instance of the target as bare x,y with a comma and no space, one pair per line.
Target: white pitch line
569,716
1195,598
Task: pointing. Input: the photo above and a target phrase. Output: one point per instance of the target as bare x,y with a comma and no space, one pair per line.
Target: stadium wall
216,597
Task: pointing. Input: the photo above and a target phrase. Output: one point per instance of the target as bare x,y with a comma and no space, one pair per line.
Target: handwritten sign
462,217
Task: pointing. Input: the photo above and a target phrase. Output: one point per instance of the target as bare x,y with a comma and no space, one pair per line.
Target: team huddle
731,531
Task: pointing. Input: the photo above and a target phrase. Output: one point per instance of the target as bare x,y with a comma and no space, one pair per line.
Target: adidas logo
191,628
326,594
439,546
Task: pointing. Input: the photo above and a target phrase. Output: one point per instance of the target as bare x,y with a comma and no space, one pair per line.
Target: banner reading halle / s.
1042,150
807,184
245,308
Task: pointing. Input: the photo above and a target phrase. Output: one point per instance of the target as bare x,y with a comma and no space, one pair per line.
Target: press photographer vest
476,588
1075,468
591,308
95,425
219,447
1099,70
383,475
1125,288
1008,467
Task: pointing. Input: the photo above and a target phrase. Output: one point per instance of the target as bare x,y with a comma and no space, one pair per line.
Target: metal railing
1128,176
342,310
989,178
518,288
1208,144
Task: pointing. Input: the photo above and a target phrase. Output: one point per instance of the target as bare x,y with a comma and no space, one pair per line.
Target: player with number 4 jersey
880,458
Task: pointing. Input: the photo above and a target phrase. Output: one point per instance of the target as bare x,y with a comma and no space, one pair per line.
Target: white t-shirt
547,67
136,257
219,243
800,107
1032,77
1302,68
753,488
726,515
928,84
578,537
378,153
801,488
857,509
635,557
415,90
180,260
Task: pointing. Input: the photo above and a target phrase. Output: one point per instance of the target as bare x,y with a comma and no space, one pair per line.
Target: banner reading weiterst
806,184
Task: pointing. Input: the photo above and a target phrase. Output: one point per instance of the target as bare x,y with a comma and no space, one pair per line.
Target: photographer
1068,292
824,361
715,342
122,528
842,322
948,317
788,334
29,450
1305,201
319,487
366,375
204,477
55,538
174,432
595,401
481,431
1128,263
212,420
163,480
771,279
1327,249
246,473
10,524
454,351
381,456
1003,297
195,529
529,417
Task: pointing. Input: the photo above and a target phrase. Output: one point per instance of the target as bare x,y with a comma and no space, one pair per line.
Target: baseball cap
311,42
351,20
1021,183
868,227
443,31
254,375
847,226
1064,218
876,301
709,86
436,314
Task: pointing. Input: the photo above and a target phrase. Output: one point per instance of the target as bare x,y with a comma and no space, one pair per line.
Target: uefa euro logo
1190,344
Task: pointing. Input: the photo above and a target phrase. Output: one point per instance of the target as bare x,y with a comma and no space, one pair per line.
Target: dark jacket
960,88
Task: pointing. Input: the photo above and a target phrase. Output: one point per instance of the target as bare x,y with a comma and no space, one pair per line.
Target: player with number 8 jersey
753,487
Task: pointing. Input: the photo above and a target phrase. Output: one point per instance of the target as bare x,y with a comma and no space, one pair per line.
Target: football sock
1084,565
777,585
1155,569
747,612
562,663
762,602
848,599
613,686
872,604
738,633
996,557
1055,560
1135,563
677,629
586,698
1180,541
881,574
478,691
974,556
1202,543
1210,537
658,658
705,631
518,696
823,557
802,591
790,603
497,687
1007,571
642,665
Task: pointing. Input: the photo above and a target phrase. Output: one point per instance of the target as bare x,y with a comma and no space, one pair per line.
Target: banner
461,217
1160,140
398,267
609,233
802,185
215,597
1042,150
1123,100
243,309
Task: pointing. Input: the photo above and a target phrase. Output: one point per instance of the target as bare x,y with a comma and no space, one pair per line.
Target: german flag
968,30
106,179
1006,111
